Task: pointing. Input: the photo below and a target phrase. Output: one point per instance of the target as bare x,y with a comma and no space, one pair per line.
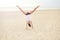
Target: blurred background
29,4
46,20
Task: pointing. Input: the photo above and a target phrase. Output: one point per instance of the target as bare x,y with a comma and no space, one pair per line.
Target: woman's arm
21,10
34,9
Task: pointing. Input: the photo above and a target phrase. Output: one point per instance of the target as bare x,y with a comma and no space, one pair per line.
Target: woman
28,19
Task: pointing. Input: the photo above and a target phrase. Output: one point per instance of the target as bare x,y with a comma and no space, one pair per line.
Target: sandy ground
46,25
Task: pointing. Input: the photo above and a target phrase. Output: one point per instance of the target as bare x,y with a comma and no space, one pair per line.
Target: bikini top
27,13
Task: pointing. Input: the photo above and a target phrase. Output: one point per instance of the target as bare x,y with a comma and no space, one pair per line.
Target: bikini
28,13
28,23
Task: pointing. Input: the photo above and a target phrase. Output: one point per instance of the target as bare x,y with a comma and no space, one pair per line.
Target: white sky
12,3
44,4
7,3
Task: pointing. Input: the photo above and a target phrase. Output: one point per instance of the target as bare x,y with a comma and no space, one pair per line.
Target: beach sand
46,25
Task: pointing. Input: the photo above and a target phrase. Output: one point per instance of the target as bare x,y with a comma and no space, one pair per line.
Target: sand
46,25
